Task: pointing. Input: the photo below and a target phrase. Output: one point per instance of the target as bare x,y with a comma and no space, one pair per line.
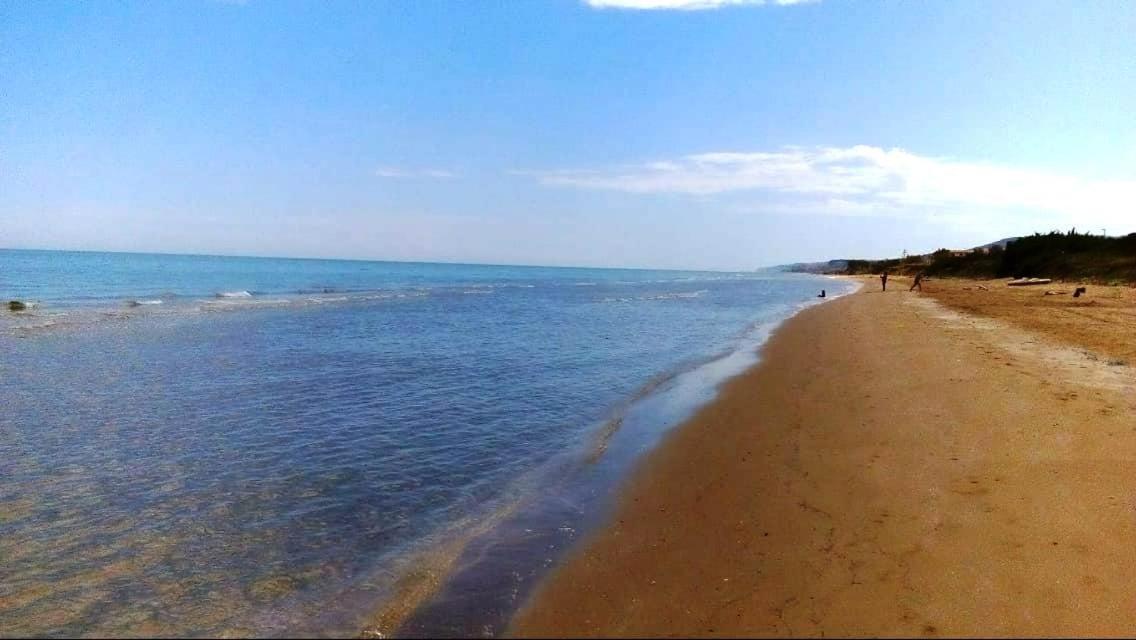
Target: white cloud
396,172
684,5
866,180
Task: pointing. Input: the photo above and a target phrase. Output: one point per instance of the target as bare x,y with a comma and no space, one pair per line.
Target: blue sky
725,135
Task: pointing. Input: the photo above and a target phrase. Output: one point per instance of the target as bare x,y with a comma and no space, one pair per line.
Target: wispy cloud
397,172
865,180
685,5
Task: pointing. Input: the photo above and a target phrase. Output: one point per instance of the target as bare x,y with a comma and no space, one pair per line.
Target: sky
703,134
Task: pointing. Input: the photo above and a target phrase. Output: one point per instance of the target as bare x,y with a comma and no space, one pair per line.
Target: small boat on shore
1025,282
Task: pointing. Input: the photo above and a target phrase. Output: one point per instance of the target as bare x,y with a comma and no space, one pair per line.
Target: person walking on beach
884,280
918,282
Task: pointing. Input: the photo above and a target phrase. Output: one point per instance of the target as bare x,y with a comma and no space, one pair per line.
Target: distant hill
1064,256
998,243
831,266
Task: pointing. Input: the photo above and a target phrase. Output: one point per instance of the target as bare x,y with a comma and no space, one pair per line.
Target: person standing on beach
918,282
884,280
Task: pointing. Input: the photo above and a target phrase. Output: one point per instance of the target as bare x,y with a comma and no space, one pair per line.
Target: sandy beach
1102,322
896,466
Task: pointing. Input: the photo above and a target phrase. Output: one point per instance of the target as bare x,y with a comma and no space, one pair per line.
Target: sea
228,446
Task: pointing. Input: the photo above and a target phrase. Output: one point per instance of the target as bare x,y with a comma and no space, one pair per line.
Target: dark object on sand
1078,291
821,294
884,280
16,305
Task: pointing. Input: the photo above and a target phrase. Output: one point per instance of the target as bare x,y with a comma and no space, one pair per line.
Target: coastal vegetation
1058,255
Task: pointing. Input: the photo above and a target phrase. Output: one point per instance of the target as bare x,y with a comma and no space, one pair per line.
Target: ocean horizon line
384,261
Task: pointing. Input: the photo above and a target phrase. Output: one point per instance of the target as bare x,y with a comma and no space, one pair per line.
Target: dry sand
1103,321
892,468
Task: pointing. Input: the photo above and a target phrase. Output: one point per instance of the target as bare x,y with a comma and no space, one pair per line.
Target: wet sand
894,467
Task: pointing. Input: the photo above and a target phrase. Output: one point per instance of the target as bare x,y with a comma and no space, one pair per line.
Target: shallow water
228,464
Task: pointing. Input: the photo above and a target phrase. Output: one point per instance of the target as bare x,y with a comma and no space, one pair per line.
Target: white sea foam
390,295
678,295
675,295
233,304
33,326
234,294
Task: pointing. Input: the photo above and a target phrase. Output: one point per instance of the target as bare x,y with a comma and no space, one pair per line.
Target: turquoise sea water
204,445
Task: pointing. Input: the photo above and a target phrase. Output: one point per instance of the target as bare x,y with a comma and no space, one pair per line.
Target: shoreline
470,592
979,483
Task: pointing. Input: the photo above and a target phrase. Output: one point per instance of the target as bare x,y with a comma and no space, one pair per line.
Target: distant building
959,253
